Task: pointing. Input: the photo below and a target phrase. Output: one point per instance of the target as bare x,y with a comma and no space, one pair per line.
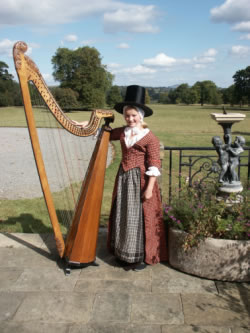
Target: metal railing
200,168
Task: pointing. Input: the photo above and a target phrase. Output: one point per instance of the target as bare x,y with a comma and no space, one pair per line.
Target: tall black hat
135,96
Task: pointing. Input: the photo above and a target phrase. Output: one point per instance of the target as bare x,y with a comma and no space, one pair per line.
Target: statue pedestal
229,188
226,189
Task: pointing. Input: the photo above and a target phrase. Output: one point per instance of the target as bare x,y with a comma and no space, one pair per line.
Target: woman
136,229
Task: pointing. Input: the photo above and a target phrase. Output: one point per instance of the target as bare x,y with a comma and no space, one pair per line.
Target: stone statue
234,151
228,157
223,158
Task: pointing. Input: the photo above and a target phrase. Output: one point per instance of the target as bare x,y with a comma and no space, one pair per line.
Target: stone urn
216,259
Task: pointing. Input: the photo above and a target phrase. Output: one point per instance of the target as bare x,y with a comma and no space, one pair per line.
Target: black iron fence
197,165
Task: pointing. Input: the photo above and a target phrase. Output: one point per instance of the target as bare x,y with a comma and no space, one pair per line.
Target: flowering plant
198,212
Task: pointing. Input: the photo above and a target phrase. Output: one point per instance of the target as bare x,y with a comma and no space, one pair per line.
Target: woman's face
132,117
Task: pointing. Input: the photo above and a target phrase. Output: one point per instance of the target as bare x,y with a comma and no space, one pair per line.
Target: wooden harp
80,244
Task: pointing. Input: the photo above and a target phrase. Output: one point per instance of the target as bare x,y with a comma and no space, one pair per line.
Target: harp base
72,264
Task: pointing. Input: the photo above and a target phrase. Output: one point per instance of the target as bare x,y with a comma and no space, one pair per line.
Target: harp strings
65,156
48,137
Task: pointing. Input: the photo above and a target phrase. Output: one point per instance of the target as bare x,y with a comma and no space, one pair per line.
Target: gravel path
18,175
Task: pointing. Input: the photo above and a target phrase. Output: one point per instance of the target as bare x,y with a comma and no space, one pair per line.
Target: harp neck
28,71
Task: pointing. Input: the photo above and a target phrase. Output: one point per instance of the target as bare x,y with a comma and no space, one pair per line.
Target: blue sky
150,43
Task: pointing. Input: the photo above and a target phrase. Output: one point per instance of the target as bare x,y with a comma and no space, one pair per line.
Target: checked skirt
127,238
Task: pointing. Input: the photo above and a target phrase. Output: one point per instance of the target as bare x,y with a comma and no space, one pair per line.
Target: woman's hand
148,193
80,124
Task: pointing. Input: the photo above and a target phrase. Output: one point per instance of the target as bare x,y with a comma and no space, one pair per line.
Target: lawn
175,125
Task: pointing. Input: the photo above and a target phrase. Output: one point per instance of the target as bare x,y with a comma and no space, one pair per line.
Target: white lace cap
139,110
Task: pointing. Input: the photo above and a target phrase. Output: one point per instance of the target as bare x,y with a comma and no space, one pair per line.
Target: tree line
206,92
85,83
10,94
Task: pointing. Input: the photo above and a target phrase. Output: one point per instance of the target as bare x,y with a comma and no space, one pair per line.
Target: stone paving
37,297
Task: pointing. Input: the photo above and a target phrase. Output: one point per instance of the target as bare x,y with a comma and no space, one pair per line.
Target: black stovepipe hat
135,96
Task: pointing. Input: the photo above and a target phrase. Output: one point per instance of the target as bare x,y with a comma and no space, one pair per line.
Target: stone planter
216,259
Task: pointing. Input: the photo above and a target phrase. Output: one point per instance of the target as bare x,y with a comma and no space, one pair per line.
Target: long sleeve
153,153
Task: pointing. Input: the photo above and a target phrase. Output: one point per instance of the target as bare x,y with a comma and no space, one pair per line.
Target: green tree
207,92
163,98
242,85
182,93
147,97
4,73
82,71
191,96
229,95
10,93
65,97
172,96
113,96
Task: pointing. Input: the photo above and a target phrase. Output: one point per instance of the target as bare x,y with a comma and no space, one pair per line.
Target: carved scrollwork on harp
26,68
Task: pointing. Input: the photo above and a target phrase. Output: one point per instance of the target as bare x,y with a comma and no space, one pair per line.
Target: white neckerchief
138,134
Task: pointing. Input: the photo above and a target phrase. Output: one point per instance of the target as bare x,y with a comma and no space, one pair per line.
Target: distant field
175,125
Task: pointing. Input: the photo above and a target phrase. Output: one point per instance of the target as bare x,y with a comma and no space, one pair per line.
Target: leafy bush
197,211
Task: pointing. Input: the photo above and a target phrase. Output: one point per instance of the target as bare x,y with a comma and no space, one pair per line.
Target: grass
175,125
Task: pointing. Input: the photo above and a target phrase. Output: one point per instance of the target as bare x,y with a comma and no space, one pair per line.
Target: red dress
143,154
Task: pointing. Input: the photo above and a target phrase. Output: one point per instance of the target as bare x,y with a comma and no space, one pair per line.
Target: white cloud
139,69
71,38
49,79
123,46
49,12
234,12
231,11
199,66
114,65
207,57
161,60
117,15
246,37
184,61
6,47
88,42
210,52
242,27
204,60
240,50
131,18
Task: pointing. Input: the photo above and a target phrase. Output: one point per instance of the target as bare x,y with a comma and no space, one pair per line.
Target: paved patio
36,296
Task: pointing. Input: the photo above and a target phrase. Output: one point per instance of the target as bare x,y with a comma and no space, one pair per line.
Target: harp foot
95,264
72,265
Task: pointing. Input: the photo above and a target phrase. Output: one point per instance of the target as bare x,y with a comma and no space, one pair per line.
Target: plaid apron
127,238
